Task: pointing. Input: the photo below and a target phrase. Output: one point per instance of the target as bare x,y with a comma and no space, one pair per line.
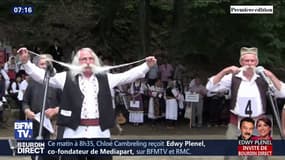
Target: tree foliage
194,32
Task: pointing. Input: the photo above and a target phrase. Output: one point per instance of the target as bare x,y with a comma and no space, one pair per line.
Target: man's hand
24,55
232,69
30,114
151,61
50,112
276,82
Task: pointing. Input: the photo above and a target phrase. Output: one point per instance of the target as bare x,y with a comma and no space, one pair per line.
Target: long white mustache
245,68
81,68
95,69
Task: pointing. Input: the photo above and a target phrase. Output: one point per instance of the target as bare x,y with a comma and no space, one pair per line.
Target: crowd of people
162,93
14,82
153,91
153,99
157,96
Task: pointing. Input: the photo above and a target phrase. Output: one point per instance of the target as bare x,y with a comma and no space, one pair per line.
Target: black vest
72,99
262,87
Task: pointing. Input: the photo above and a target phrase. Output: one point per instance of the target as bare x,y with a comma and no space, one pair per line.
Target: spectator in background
171,112
14,54
188,106
6,78
217,108
122,99
156,101
179,97
11,67
152,75
178,72
119,105
197,107
22,88
33,101
178,77
136,115
57,53
166,72
13,91
3,77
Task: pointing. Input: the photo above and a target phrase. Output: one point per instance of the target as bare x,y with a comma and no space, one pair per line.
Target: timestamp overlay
22,9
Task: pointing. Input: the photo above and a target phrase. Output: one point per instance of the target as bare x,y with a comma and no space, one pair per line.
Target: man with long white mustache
248,89
86,106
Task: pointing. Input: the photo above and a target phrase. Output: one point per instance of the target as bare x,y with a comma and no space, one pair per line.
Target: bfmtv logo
23,129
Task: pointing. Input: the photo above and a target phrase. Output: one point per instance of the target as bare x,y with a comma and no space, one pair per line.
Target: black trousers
215,109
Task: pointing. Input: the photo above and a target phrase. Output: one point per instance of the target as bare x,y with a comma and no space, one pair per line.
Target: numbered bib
191,97
246,106
135,104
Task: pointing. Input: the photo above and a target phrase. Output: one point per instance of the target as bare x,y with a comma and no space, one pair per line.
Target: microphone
260,71
13,145
50,69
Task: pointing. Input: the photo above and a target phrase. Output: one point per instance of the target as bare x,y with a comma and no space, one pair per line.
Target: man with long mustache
86,106
248,89
246,128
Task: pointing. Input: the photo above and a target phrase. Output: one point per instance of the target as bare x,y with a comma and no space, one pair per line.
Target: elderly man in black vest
248,88
86,106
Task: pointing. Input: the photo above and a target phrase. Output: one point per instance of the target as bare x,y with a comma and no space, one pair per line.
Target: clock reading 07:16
22,9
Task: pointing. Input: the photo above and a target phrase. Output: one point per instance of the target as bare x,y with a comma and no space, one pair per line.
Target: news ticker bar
137,147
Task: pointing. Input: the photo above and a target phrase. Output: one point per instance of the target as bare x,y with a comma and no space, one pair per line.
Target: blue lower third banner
103,147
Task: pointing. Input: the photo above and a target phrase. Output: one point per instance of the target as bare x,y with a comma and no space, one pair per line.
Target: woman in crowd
136,103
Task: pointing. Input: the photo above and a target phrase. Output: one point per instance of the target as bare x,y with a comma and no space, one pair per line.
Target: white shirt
6,77
22,87
14,87
248,90
89,88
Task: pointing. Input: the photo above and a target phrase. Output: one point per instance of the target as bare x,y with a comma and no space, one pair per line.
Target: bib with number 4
246,107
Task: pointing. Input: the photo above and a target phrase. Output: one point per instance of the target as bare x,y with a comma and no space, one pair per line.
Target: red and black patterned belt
89,122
